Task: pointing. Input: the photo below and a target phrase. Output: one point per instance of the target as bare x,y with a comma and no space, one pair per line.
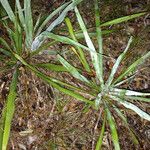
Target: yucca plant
26,39
104,94
18,43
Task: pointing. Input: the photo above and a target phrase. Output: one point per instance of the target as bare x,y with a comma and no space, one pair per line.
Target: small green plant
19,45
27,39
107,94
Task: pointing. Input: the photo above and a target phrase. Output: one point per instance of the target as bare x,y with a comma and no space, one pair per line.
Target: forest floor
46,119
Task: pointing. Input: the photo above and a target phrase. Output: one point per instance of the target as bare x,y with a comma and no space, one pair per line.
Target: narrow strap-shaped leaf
100,42
100,139
6,52
125,80
42,48
28,22
20,12
94,56
64,90
124,92
52,67
131,106
121,115
4,43
142,99
39,39
92,34
122,19
57,83
80,51
50,17
66,40
53,79
72,70
17,36
37,23
69,41
63,15
113,129
11,34
98,101
8,9
132,67
117,63
8,112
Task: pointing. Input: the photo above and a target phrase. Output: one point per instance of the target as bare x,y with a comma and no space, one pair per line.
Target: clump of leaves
26,39
18,46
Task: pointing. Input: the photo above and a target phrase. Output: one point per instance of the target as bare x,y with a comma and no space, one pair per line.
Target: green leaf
8,9
38,21
39,39
6,52
73,71
94,56
28,22
132,67
42,48
63,15
50,17
56,83
117,63
64,90
52,67
92,34
7,114
100,42
98,101
142,99
125,80
113,129
122,19
4,43
100,139
131,106
124,92
64,39
121,115
20,12
80,51
17,37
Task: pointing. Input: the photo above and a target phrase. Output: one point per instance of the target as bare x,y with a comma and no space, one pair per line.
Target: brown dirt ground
47,120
